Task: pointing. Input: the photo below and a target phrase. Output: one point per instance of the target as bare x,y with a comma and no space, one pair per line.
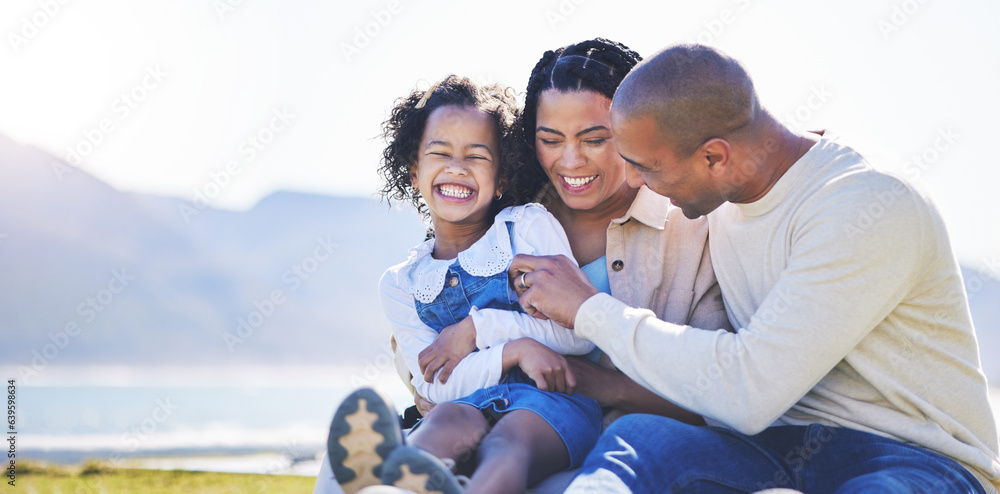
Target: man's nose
632,176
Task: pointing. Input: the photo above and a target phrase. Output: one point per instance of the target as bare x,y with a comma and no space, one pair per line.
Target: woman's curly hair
405,128
597,65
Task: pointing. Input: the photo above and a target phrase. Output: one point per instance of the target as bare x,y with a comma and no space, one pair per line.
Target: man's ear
717,155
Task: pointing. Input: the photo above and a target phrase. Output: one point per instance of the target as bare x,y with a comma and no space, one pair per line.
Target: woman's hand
448,349
548,369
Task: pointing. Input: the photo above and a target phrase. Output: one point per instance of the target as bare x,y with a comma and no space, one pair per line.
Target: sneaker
364,432
418,471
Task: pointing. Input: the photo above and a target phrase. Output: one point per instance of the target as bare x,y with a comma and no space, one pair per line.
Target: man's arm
832,293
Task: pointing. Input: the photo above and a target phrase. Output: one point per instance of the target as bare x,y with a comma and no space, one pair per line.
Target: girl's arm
478,370
458,340
507,325
536,232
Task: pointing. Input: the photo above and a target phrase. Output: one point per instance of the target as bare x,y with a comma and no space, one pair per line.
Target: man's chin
691,214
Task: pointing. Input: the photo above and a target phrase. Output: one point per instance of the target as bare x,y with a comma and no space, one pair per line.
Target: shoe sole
364,432
418,471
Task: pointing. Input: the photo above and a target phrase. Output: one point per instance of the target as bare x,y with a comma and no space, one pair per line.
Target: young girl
451,153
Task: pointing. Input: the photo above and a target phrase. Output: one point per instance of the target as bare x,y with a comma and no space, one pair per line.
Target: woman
654,257
630,240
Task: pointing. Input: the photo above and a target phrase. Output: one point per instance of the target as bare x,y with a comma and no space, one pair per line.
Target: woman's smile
578,185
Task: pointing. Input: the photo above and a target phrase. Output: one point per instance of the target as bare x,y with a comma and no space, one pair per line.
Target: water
204,415
252,420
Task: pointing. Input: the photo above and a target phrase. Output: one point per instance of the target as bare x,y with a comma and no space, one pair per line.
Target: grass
99,477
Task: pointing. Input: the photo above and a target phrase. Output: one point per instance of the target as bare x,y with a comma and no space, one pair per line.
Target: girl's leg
450,430
521,449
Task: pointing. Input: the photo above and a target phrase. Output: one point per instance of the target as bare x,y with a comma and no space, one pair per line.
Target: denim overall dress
576,418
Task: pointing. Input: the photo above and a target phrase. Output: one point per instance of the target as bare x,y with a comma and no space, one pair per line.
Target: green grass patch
100,478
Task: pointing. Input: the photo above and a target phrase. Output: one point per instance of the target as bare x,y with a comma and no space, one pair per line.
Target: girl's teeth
579,182
455,191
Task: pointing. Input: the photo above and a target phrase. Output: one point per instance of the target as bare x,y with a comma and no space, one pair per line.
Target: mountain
90,275
200,280
983,290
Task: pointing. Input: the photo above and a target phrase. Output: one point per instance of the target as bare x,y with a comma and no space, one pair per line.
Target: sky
235,99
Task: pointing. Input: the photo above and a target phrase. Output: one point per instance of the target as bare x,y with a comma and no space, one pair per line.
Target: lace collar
423,276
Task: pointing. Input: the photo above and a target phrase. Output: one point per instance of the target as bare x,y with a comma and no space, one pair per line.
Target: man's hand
547,368
448,349
550,287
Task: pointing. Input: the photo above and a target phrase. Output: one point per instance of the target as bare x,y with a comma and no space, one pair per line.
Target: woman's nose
573,157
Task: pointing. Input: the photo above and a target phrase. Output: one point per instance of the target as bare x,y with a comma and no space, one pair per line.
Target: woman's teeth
455,191
579,181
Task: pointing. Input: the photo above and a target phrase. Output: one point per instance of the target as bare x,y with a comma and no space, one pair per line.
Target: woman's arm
612,388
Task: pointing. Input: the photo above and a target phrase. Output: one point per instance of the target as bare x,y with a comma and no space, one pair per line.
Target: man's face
686,180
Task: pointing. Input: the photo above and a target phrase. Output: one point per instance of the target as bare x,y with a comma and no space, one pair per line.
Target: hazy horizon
158,113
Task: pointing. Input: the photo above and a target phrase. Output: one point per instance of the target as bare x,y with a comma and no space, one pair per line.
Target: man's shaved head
693,93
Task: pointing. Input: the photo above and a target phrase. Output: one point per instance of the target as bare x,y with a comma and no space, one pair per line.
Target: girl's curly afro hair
405,128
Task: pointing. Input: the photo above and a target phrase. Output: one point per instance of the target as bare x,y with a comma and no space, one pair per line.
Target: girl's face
457,163
576,149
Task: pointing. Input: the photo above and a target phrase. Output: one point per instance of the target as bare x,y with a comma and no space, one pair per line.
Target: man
855,364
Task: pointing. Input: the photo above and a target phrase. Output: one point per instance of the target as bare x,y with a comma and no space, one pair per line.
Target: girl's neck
451,238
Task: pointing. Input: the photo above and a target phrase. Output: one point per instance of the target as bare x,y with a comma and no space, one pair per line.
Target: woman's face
576,149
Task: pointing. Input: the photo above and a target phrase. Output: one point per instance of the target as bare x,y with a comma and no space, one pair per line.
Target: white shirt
421,277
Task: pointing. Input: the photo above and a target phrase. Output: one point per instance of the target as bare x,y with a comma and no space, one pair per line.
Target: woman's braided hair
597,65
404,129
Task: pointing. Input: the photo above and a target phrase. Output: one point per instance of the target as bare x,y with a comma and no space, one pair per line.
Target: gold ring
520,282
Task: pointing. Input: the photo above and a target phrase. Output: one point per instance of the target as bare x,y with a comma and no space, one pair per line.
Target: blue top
597,273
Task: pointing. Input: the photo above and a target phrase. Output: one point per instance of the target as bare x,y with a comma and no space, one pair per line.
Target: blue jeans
647,453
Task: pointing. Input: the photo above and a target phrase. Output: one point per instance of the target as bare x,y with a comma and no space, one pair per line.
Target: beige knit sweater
850,311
